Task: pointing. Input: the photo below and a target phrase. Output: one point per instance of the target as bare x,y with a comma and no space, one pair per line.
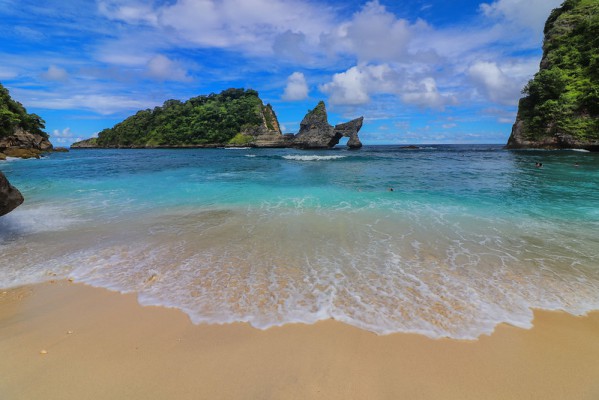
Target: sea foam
312,158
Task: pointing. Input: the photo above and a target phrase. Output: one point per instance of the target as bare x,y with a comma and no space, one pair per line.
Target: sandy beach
70,341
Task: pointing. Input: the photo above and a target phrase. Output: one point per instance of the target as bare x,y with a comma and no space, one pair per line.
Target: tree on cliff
207,119
563,97
13,116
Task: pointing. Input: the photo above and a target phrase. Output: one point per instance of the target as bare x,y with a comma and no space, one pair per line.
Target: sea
438,240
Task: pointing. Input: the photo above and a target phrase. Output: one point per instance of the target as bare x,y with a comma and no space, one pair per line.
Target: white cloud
7,73
297,88
492,82
64,136
374,34
530,14
354,86
65,133
162,68
132,12
55,73
100,103
424,93
248,24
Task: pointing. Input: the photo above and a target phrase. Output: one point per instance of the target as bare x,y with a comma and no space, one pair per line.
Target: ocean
470,236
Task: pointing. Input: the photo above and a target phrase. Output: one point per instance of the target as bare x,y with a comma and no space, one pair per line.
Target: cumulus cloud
530,14
55,73
162,68
64,136
354,86
374,34
493,83
226,23
297,88
425,94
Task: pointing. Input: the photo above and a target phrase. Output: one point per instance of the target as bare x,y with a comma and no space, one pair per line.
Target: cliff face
24,145
561,104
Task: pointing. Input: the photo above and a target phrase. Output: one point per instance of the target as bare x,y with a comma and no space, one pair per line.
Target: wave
580,150
312,158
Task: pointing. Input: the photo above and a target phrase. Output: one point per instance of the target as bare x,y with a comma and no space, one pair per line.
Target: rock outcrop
10,197
24,144
316,132
561,106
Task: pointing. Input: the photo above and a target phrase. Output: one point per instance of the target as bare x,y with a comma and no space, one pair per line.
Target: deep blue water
470,236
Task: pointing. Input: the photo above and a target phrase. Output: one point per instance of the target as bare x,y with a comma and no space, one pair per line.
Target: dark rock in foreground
10,197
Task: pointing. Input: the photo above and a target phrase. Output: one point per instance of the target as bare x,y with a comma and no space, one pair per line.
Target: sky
419,71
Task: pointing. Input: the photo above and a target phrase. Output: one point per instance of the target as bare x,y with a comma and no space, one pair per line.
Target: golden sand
70,341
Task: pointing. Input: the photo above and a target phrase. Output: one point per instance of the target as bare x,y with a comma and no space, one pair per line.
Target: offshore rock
10,197
350,129
316,132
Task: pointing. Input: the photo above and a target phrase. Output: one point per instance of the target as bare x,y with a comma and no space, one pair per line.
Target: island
232,118
561,104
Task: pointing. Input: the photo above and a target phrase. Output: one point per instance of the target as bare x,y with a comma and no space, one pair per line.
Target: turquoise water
470,236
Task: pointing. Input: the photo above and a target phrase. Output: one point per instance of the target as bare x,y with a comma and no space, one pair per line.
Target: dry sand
103,345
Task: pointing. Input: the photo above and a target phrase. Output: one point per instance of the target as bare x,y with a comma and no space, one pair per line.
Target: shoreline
102,344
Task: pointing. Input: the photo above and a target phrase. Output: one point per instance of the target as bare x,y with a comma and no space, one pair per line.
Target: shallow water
470,236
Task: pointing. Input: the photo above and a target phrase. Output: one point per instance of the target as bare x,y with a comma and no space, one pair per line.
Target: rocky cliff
21,133
561,104
24,144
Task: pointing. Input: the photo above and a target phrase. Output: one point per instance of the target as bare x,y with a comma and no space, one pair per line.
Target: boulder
10,197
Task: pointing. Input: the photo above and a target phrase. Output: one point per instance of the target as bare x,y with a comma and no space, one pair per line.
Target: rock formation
10,197
24,144
315,133
264,131
561,106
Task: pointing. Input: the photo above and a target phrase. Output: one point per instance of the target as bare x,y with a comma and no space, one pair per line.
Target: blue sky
421,71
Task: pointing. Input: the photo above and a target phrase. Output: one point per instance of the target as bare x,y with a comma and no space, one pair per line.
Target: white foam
580,150
237,148
35,219
312,158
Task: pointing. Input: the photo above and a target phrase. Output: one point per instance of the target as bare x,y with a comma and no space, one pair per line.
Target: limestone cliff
561,104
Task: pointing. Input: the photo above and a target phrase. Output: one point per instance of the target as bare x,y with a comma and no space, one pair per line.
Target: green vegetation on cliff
202,120
563,97
13,116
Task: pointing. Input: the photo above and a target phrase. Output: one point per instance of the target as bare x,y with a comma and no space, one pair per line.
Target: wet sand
71,341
